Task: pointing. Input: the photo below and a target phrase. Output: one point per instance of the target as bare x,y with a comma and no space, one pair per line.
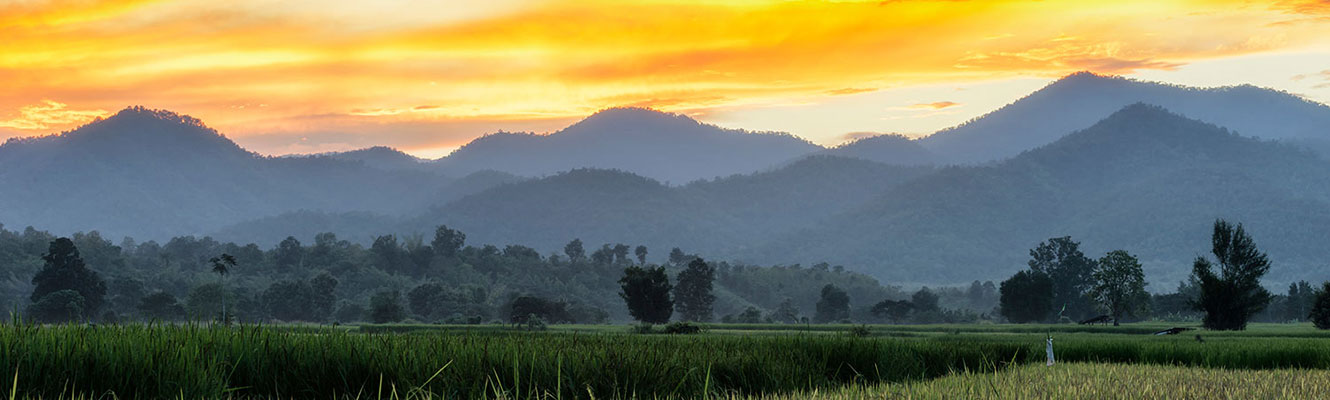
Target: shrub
682,328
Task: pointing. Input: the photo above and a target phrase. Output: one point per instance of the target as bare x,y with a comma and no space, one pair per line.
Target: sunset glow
307,76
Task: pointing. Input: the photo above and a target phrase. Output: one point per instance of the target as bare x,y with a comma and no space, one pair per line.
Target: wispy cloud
937,105
50,114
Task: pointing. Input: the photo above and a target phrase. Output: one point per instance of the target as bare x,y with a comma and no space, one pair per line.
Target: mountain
381,157
156,174
888,149
1080,99
723,215
1144,180
670,148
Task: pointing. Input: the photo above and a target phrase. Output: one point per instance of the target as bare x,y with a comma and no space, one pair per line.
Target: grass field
428,361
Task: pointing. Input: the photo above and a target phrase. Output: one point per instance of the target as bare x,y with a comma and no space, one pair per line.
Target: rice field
607,362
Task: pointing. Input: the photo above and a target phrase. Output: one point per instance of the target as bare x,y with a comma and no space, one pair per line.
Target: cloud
937,105
563,59
50,114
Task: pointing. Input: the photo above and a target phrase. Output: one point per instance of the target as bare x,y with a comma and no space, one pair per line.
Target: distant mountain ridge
1078,100
667,147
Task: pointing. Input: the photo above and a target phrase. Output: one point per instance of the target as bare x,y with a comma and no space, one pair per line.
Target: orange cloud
560,59
934,105
50,114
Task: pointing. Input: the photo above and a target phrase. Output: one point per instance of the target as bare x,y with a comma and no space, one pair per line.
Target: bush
642,328
859,331
682,328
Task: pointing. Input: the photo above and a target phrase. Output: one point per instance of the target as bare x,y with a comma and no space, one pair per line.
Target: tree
222,265
64,270
646,291
289,301
387,253
677,257
386,307
924,300
1069,269
289,254
206,301
833,306
894,310
693,292
523,308
574,250
447,242
641,253
59,306
621,253
323,296
427,299
1230,298
1119,285
1301,296
1026,297
1320,314
786,312
161,305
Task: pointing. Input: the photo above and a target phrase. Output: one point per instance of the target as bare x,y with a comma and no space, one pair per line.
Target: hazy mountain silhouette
888,149
381,157
667,147
154,174
1078,100
1144,180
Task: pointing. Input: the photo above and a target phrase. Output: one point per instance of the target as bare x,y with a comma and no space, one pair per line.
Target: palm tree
222,265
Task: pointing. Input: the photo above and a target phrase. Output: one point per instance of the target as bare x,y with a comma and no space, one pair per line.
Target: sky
304,76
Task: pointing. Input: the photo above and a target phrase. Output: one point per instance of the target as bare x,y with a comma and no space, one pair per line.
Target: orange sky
307,76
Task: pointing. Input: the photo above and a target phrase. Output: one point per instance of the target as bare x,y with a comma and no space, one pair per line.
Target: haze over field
1113,161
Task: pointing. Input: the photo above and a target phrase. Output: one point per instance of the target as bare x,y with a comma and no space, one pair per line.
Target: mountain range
1147,175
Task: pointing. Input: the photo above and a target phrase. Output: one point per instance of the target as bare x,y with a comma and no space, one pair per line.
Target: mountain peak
633,119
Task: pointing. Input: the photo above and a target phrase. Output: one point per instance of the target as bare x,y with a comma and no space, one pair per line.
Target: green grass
489,361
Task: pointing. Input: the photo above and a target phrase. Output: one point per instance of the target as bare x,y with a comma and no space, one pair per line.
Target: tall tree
1320,313
646,291
289,254
323,291
1119,285
386,307
1026,297
833,306
574,250
1231,297
447,242
693,292
289,301
1300,299
1070,270
222,265
924,300
64,270
641,253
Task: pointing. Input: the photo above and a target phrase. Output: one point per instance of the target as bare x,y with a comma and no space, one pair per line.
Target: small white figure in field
1049,350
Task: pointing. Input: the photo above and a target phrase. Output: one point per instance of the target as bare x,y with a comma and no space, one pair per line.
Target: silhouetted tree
447,242
523,308
1070,270
222,265
1119,287
833,306
641,253
161,305
427,299
677,257
387,253
289,301
289,253
893,310
1320,313
693,291
604,256
59,306
574,250
64,270
323,296
1301,296
386,307
1229,299
646,291
786,312
924,300
1026,297
621,253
